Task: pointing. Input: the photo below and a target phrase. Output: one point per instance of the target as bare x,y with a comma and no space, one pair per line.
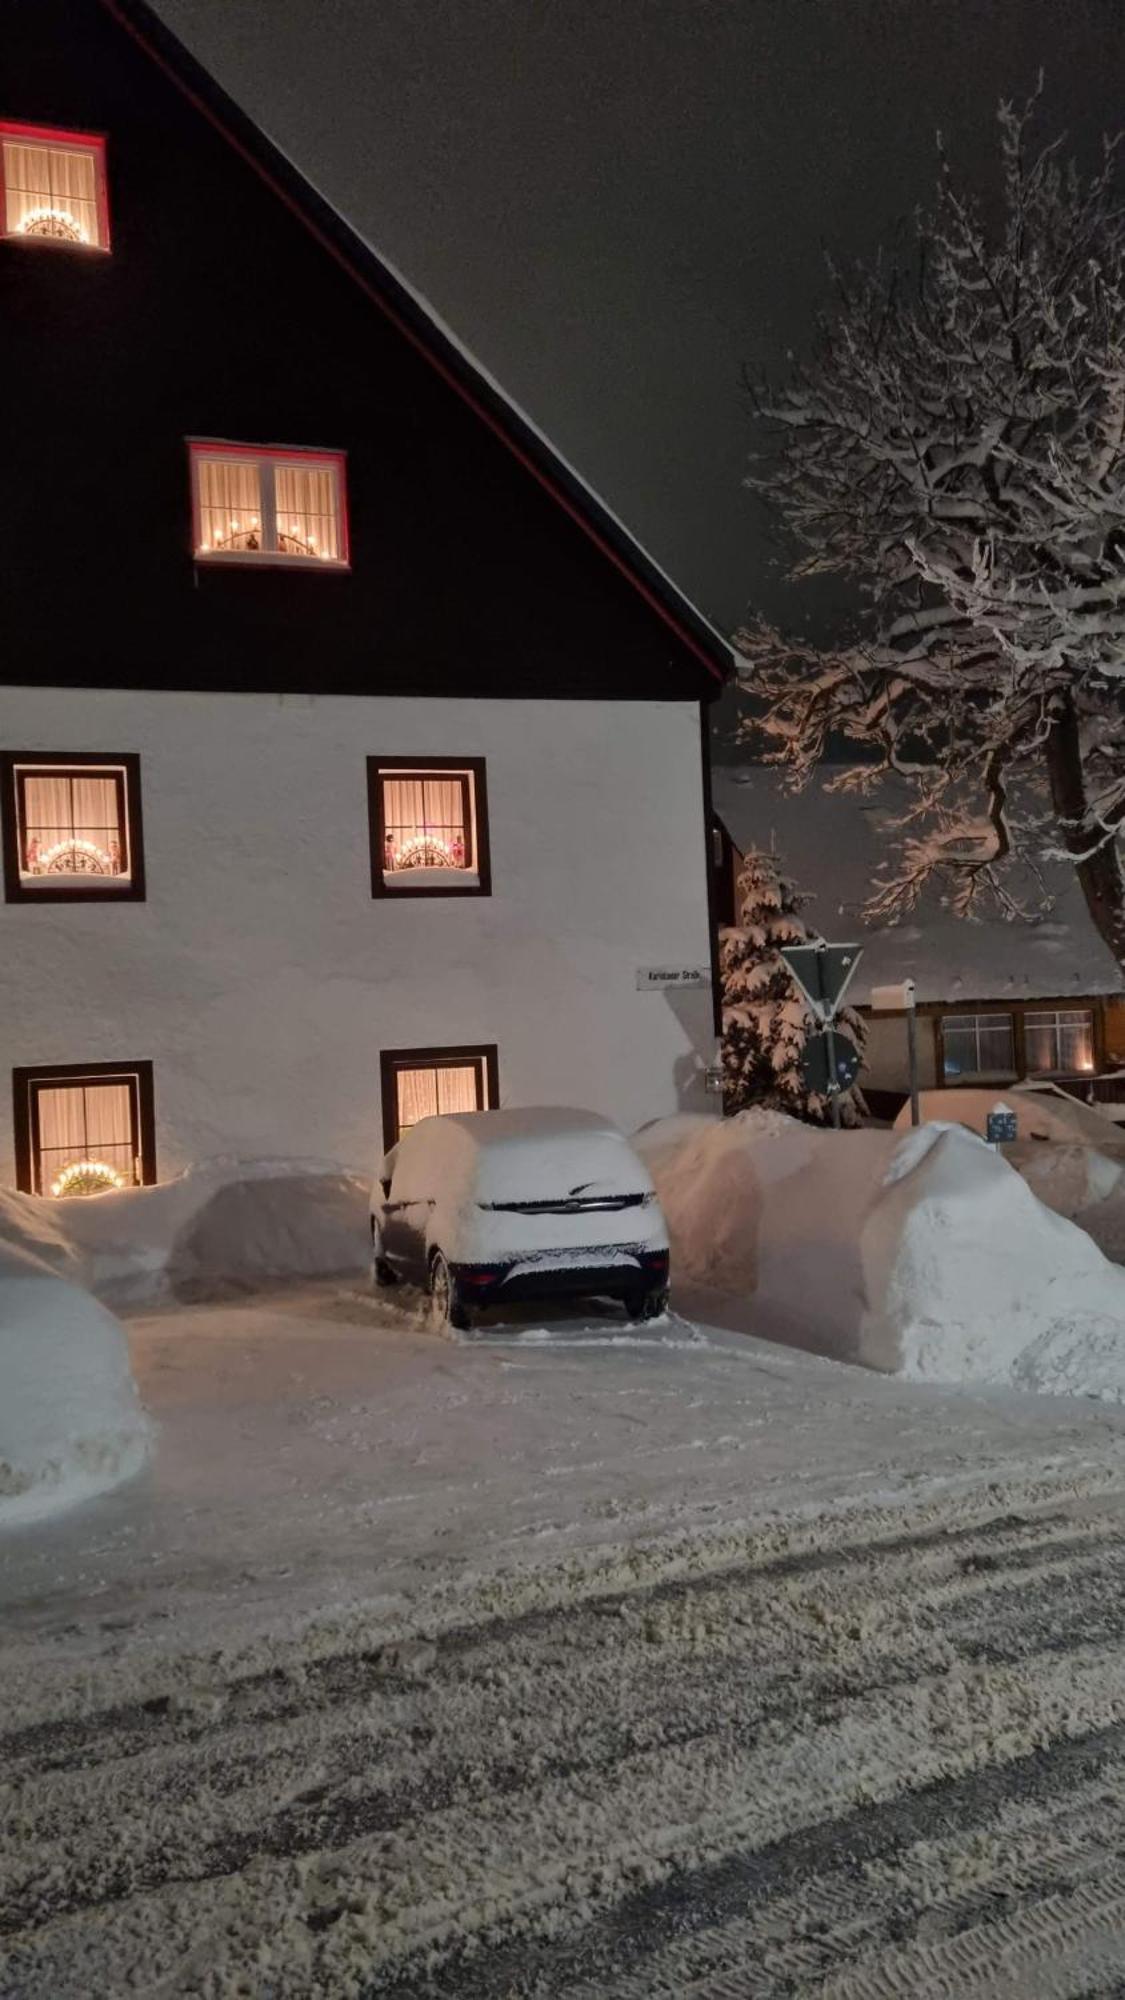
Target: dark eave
416,325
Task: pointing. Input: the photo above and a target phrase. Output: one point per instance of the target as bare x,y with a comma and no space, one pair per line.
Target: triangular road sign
823,972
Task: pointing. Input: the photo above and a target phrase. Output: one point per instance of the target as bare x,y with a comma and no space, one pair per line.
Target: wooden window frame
16,890
1016,1011
84,142
25,1109
473,769
270,456
484,1054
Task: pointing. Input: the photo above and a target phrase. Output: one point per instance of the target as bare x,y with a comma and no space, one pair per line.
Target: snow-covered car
487,1208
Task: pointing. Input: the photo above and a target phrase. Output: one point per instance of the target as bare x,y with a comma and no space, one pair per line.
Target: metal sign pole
833,1079
912,1055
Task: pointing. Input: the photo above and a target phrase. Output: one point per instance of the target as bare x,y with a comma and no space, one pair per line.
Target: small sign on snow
653,977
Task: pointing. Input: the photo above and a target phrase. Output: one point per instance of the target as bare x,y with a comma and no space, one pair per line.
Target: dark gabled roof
418,324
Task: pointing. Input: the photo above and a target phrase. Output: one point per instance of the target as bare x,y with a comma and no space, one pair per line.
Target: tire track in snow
642,1768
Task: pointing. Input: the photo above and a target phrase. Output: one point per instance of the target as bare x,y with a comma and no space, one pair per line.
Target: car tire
647,1305
449,1305
383,1276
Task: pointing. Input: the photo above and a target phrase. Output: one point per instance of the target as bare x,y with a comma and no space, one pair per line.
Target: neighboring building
354,760
997,1000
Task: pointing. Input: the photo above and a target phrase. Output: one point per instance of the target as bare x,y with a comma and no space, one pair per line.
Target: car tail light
479,1277
654,1260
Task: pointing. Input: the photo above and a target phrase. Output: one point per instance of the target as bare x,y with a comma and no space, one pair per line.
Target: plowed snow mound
70,1421
225,1225
924,1254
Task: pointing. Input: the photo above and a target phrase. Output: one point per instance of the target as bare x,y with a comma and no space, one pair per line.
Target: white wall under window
263,979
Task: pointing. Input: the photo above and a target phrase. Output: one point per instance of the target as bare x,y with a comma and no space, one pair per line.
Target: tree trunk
1101,875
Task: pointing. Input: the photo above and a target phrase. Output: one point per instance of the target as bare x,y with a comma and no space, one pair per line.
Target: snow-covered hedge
224,1225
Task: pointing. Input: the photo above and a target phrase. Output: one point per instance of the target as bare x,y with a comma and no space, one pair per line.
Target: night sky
619,203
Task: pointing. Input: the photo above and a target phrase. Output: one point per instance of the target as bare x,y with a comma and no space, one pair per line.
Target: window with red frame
52,187
254,504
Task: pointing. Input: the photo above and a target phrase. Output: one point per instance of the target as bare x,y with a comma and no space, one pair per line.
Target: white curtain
424,823
424,1093
50,191
60,807
85,1121
230,504
1062,1042
307,510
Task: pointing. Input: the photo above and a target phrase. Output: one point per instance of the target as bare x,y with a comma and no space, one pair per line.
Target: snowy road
692,1690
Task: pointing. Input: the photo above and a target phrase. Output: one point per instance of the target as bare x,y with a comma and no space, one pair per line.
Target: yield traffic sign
823,972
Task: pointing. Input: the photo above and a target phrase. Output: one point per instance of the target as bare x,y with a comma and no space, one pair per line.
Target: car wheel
647,1305
449,1306
382,1275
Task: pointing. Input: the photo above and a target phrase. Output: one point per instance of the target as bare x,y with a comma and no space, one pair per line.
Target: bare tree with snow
956,444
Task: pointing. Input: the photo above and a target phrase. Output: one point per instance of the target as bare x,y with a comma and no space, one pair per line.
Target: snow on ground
70,1422
923,1253
580,1659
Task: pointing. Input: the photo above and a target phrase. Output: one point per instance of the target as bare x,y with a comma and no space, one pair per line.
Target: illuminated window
72,826
423,1083
977,1045
251,504
429,826
1059,1042
53,187
84,1130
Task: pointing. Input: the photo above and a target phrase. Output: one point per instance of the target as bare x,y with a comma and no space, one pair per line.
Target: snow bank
1084,1183
970,1279
70,1422
223,1226
926,1255
1042,1112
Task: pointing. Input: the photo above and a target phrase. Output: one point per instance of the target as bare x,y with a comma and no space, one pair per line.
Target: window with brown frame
72,826
52,187
429,826
84,1129
993,1045
423,1083
268,504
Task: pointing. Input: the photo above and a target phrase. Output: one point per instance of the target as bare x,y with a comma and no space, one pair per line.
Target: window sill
267,559
408,881
54,243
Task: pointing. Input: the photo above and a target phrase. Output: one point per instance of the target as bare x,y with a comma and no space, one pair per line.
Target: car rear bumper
489,1285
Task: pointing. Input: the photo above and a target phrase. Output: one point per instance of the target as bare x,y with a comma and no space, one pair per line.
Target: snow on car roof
532,1121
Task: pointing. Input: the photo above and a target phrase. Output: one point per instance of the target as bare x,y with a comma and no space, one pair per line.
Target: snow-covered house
353,760
998,999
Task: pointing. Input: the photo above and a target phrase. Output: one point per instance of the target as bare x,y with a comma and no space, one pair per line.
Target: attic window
259,504
429,826
72,827
53,187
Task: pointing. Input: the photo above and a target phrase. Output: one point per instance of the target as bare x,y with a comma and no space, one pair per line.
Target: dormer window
52,187
262,504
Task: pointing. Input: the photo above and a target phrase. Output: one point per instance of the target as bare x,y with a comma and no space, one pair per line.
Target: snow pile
970,1279
1084,1183
1042,1112
226,1225
70,1422
927,1255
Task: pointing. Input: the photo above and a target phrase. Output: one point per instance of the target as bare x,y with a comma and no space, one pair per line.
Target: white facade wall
262,978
